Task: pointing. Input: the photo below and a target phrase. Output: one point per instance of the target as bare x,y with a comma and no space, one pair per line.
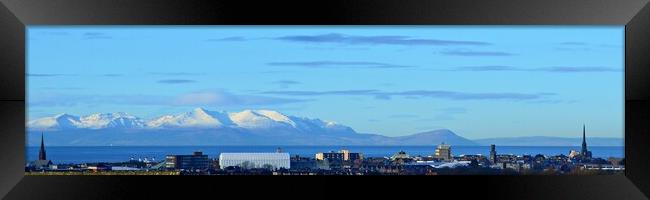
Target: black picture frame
634,14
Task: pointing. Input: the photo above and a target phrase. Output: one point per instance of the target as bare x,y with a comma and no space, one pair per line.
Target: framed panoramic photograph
220,95
420,100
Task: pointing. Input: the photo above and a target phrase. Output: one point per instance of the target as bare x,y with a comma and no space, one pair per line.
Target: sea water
89,154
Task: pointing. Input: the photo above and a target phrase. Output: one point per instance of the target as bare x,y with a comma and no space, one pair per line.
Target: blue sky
479,81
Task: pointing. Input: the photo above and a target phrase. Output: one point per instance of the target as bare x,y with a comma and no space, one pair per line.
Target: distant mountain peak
199,110
63,115
110,115
110,120
261,119
438,136
196,118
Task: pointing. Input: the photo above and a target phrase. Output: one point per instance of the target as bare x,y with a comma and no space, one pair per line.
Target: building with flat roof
443,152
329,155
255,160
188,162
343,155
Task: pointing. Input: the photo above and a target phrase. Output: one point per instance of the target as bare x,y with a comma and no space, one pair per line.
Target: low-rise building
39,165
401,155
196,161
255,160
344,155
98,167
574,154
329,156
303,163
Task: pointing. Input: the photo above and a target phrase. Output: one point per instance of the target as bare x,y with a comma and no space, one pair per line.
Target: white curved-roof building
255,160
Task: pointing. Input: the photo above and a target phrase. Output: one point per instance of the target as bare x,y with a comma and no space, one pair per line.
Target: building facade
196,161
343,155
443,152
255,160
329,155
493,154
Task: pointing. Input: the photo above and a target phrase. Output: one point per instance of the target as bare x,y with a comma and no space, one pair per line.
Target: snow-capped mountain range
204,127
248,127
197,118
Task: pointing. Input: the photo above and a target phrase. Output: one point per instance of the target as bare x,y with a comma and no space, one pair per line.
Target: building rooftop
444,146
271,155
400,155
40,163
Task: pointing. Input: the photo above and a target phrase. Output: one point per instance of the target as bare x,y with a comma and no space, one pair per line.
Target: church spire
584,142
41,153
583,134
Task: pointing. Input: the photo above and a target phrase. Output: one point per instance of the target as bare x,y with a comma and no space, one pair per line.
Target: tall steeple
41,153
584,142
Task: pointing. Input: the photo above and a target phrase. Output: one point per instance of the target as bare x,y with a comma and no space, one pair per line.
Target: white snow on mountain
276,116
260,119
110,120
311,125
197,118
60,121
94,121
